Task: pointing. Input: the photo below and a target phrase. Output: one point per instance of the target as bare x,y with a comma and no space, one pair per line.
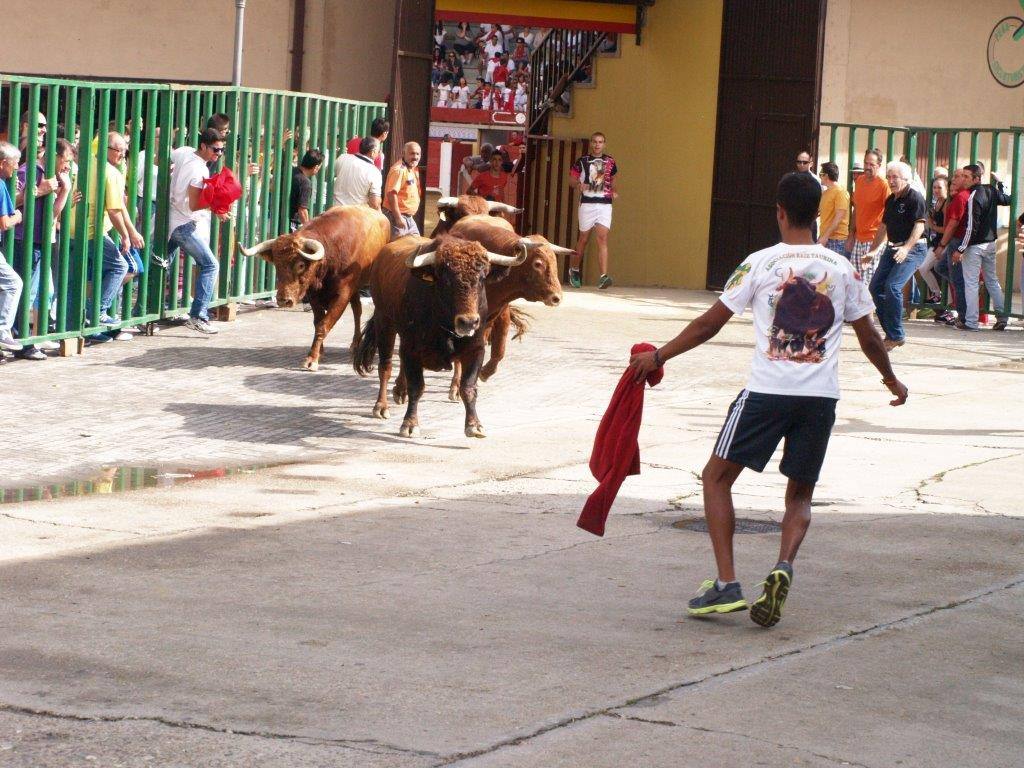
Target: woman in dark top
936,217
464,44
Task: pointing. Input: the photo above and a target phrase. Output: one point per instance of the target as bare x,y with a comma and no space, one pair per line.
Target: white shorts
595,213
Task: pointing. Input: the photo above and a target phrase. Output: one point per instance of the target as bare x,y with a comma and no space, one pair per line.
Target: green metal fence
269,132
1000,149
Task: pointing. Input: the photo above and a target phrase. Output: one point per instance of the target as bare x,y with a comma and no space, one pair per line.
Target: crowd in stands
892,228
498,54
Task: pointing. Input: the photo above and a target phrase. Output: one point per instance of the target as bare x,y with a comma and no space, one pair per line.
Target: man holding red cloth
800,294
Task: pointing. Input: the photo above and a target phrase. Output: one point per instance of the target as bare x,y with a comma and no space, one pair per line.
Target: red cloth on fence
616,453
220,191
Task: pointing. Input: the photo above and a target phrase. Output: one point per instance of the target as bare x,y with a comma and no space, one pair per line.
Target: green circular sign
1006,52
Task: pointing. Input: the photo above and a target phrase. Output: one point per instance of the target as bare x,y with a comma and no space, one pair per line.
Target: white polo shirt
356,180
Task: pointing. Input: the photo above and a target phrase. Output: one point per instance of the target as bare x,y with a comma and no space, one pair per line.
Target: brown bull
453,209
431,294
325,261
534,280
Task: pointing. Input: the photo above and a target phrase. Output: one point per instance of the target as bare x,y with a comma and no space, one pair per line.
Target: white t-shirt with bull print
799,295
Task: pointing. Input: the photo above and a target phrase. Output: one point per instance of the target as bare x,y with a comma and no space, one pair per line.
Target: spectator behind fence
979,246
899,247
115,217
140,191
402,192
189,222
302,187
10,217
869,195
834,211
59,187
474,163
41,128
947,256
356,178
379,129
490,184
936,226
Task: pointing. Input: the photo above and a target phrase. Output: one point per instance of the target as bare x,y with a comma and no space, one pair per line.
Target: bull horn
417,259
494,207
499,260
257,249
560,250
317,253
447,202
528,244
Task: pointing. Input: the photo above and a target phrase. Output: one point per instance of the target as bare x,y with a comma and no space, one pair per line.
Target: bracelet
889,382
657,359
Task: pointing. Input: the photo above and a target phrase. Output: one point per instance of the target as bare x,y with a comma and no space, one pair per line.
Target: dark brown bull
535,280
431,294
452,209
325,261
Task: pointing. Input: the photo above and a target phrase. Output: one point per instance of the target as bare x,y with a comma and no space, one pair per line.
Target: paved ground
370,601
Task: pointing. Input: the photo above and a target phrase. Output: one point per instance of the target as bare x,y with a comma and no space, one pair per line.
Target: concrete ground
372,601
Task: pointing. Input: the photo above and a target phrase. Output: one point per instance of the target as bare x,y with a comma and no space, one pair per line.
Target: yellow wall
657,105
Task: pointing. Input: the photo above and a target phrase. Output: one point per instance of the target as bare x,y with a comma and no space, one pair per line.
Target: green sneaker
713,600
925,313
574,278
604,282
767,609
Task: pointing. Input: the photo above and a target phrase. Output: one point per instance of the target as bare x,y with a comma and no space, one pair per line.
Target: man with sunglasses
189,222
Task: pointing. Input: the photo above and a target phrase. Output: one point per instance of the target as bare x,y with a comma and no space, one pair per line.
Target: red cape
616,453
220,191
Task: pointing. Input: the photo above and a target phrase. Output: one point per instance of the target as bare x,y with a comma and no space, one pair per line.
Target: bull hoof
453,394
475,430
381,412
399,396
409,430
488,370
311,365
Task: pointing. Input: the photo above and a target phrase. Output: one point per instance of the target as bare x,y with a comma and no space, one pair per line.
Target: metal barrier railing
269,130
553,64
1000,149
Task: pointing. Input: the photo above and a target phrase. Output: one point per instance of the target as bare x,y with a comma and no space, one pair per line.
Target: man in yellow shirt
834,211
115,216
402,192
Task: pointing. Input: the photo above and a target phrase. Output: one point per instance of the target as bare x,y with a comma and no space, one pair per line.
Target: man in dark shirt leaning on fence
302,187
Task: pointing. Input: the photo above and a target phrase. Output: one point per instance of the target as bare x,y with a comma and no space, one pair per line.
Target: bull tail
362,360
520,321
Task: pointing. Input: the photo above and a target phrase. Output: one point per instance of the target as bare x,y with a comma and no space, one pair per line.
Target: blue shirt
6,204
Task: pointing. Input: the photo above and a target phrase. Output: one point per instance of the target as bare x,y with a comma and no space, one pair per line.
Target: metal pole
236,76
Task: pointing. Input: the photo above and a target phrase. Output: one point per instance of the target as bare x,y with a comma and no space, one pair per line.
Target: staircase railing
553,66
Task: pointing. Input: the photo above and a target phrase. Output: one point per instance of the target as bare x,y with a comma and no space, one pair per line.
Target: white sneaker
133,330
270,303
9,343
198,324
48,346
121,336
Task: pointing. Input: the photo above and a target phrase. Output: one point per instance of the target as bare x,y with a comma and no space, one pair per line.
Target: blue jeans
887,288
954,273
184,237
33,283
10,293
114,269
981,259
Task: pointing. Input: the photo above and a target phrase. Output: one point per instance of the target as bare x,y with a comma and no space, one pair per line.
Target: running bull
432,294
326,261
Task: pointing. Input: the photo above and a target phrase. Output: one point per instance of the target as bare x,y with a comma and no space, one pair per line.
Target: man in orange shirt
870,192
402,192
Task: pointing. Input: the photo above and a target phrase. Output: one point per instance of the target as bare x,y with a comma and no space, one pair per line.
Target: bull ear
426,274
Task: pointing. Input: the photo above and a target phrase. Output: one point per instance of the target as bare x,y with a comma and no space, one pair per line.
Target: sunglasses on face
217,150
803,162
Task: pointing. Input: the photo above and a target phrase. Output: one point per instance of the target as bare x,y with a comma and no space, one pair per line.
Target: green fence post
974,146
1012,250
64,272
25,257
13,134
47,229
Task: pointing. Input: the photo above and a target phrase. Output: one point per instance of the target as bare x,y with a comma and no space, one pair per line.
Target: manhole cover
743,525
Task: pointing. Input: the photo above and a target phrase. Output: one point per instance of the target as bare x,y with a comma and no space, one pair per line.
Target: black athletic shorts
757,422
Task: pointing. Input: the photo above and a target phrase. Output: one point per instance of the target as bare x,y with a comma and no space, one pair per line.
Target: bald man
402,192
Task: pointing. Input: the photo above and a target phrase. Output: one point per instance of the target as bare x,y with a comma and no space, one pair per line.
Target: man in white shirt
189,222
800,294
356,178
